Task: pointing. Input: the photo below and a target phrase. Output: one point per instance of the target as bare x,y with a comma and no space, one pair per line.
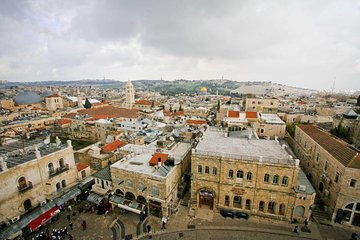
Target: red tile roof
81,166
53,96
251,115
338,149
63,121
195,121
111,111
143,102
113,146
233,114
97,117
179,113
70,115
155,159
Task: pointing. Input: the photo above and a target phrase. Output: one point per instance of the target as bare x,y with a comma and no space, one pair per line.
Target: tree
171,109
341,132
218,105
358,101
180,108
87,104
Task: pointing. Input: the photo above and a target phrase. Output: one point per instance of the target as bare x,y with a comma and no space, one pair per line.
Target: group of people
55,234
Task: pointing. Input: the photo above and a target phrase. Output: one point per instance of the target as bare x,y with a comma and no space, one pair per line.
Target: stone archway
119,192
130,196
206,198
299,211
141,199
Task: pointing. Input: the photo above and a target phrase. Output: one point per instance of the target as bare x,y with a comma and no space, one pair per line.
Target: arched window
63,183
199,169
214,170
248,204
27,205
227,200
237,202
207,170
51,167
249,176
271,207
231,174
266,178
282,209
284,181
261,206
61,163
276,179
58,187
129,184
141,187
22,183
239,174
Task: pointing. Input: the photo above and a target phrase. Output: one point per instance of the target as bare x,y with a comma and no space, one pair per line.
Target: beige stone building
256,176
265,105
33,174
334,170
54,102
149,178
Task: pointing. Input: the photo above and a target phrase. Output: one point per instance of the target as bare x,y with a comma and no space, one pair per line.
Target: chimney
297,162
249,136
3,164
159,162
276,138
69,145
37,153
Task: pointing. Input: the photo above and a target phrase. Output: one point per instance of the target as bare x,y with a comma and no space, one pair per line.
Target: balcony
26,187
57,171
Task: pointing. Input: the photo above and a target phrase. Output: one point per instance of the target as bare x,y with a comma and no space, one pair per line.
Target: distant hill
222,86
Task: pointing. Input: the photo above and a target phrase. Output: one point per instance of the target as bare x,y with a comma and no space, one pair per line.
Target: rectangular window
352,183
337,177
326,166
227,200
247,204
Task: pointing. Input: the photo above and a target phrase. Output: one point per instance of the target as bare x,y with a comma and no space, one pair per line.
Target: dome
203,89
27,98
46,93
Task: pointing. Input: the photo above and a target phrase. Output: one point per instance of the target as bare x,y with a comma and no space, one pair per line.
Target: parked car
243,215
226,213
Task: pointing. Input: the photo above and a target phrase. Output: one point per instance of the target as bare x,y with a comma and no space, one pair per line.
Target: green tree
358,101
171,109
180,108
341,132
290,128
87,104
218,105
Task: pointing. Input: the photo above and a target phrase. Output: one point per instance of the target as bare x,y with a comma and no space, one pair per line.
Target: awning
67,196
87,183
95,198
42,219
132,206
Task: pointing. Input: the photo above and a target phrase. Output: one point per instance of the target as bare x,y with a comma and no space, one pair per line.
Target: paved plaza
207,225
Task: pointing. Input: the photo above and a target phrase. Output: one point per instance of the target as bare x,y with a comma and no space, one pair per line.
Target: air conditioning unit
302,188
43,203
15,219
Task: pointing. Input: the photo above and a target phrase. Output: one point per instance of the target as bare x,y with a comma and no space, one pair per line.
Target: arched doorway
22,183
119,192
141,199
299,211
206,198
27,204
129,195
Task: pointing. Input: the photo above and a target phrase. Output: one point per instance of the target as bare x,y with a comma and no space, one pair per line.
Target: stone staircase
320,213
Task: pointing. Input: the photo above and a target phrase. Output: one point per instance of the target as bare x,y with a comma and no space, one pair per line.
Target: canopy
95,198
67,196
42,219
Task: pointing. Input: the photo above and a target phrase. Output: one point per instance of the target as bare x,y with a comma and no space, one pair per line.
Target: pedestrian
148,227
84,225
71,225
354,236
296,229
163,220
68,217
70,237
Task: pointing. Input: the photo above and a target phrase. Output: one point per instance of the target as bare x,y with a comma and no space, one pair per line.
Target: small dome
25,98
203,89
46,93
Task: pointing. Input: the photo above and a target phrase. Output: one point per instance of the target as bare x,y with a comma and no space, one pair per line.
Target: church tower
129,95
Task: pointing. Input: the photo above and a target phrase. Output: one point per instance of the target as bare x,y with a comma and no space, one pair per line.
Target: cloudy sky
302,43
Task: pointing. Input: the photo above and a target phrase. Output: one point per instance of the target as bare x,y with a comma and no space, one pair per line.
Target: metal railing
58,170
26,187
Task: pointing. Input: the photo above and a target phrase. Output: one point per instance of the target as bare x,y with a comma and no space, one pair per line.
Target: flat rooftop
13,157
215,143
271,118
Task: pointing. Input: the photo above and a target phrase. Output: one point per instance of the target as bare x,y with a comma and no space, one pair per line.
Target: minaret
129,94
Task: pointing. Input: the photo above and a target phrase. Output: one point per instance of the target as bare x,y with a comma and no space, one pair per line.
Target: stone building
334,170
33,173
149,178
265,105
54,102
251,175
129,95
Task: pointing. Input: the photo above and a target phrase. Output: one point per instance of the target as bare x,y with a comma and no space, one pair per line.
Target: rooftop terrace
216,143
